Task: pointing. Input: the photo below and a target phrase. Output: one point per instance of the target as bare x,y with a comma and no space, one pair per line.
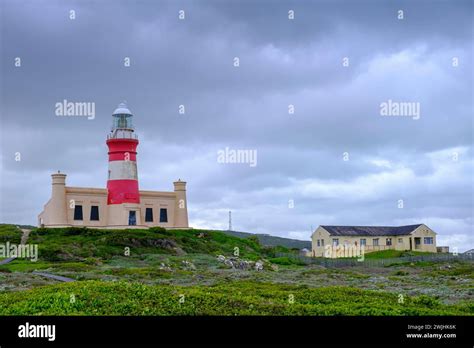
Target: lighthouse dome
122,120
122,109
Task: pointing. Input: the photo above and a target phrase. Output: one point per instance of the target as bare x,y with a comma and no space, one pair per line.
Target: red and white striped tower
122,184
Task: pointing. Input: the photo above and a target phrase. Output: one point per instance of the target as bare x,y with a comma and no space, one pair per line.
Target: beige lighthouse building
121,204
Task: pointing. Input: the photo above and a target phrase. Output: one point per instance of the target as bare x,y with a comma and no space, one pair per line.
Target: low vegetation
10,233
69,244
205,267
242,298
388,254
287,261
268,240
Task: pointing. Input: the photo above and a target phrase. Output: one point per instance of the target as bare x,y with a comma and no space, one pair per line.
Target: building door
411,248
132,218
417,243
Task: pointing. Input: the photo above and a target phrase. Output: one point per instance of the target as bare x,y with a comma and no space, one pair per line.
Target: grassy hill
268,240
10,233
19,226
75,244
163,264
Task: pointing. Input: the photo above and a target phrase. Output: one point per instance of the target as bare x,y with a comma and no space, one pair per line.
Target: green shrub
286,261
427,301
10,233
400,273
158,229
78,243
384,254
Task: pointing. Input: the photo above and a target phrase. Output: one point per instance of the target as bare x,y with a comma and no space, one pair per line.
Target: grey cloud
282,62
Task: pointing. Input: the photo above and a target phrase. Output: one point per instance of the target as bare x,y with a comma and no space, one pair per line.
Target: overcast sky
424,58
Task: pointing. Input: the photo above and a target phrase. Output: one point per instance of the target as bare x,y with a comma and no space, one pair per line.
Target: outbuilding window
428,240
363,241
335,242
78,212
375,242
319,242
389,241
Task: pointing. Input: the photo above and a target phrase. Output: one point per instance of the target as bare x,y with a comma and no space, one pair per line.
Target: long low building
87,207
374,238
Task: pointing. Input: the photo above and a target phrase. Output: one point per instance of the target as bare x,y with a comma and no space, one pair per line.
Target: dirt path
25,235
52,276
24,239
5,261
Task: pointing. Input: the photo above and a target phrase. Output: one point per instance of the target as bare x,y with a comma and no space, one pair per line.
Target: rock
179,251
377,279
243,265
165,267
240,264
237,263
259,266
188,265
274,267
159,242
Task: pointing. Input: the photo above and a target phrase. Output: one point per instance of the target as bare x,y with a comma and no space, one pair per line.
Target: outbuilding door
132,218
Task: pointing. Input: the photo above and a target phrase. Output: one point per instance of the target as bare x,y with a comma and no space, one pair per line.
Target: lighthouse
122,182
121,204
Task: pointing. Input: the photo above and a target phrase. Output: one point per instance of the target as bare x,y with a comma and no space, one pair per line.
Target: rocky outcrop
238,263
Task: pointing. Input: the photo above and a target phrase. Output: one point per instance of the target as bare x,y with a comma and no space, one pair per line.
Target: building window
149,215
389,241
363,241
375,242
95,213
400,240
322,242
163,215
428,240
319,242
78,212
335,242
